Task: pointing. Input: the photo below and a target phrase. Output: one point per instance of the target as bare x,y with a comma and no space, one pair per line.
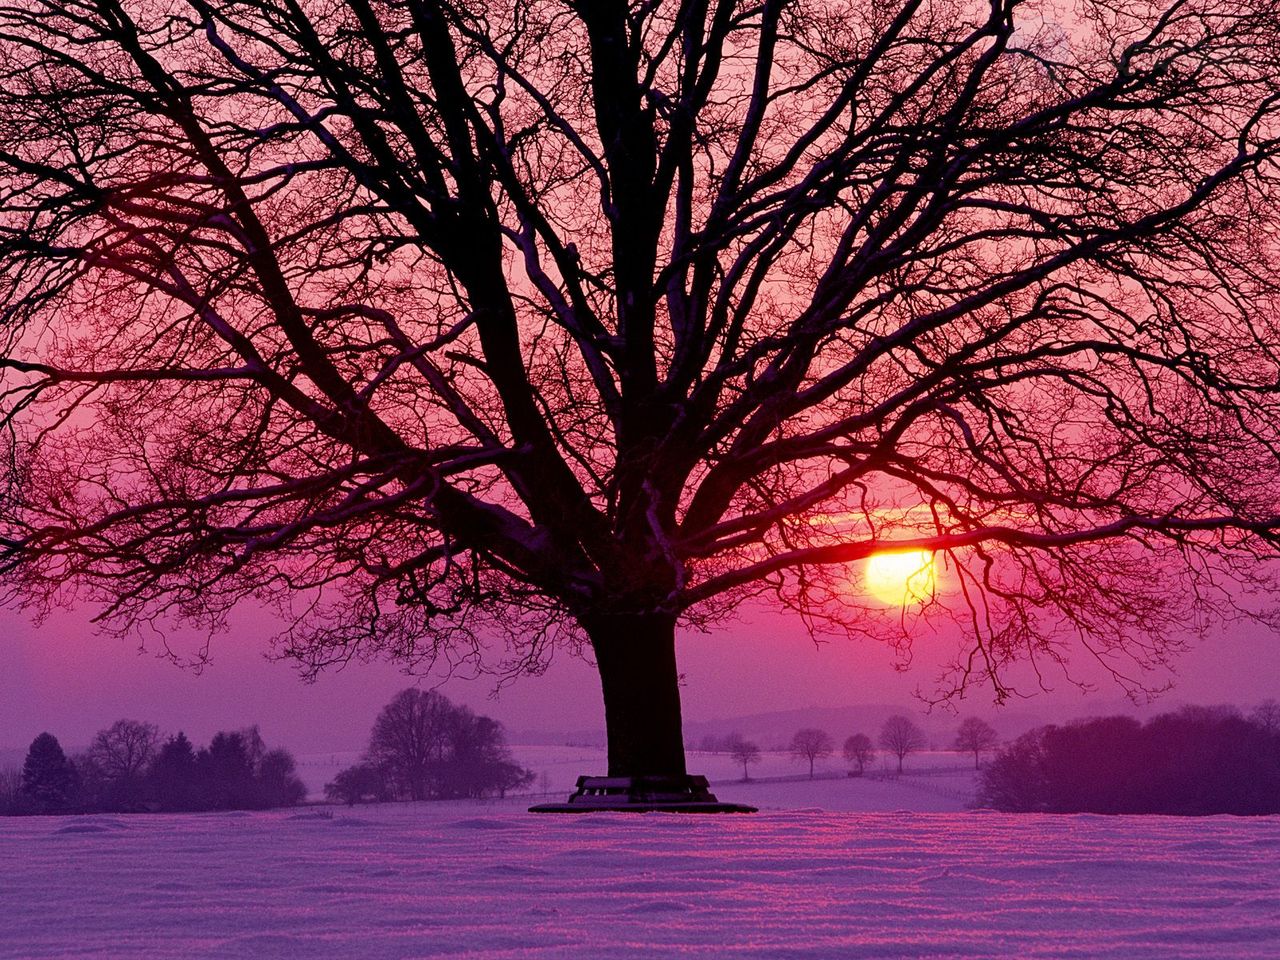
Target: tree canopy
565,321
423,747
1197,761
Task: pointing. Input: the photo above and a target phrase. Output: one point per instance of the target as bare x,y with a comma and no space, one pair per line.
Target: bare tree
479,760
564,323
410,741
859,749
124,750
428,748
10,790
901,737
1267,715
811,744
974,736
744,752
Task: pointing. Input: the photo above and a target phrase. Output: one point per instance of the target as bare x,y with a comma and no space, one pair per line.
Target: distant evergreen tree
226,773
174,775
48,779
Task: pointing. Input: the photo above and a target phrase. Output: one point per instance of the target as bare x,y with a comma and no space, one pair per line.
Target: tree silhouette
410,741
48,780
859,749
479,760
225,771
901,737
810,744
276,780
1267,715
174,774
358,783
121,754
743,751
424,747
566,323
11,796
974,736
1195,762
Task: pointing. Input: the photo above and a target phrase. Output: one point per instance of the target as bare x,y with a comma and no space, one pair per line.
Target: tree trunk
636,655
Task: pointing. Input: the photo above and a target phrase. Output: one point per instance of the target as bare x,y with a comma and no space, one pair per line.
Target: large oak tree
564,322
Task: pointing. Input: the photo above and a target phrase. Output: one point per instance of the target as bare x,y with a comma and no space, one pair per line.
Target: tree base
688,794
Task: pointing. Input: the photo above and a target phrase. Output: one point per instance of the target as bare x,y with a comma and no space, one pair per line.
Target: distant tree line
899,737
1195,761
423,747
128,768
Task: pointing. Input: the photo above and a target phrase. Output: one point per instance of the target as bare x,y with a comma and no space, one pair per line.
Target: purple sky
64,678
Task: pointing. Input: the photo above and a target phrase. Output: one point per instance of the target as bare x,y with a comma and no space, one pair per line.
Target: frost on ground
488,880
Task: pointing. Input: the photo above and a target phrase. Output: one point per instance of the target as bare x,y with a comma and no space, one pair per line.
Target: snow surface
811,876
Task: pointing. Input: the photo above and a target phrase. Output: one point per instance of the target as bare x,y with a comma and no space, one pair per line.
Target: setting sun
900,578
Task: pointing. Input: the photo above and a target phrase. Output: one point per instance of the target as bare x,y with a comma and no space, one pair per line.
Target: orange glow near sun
900,578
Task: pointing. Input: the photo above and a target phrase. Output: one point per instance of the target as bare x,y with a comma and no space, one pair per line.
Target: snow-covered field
814,875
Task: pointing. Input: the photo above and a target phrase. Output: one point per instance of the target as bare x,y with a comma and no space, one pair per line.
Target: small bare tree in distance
1267,715
811,744
744,752
10,789
465,330
900,736
859,749
974,736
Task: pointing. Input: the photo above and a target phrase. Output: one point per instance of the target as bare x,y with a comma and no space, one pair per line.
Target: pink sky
64,678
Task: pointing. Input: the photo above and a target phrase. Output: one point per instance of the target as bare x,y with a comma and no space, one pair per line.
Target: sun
901,577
